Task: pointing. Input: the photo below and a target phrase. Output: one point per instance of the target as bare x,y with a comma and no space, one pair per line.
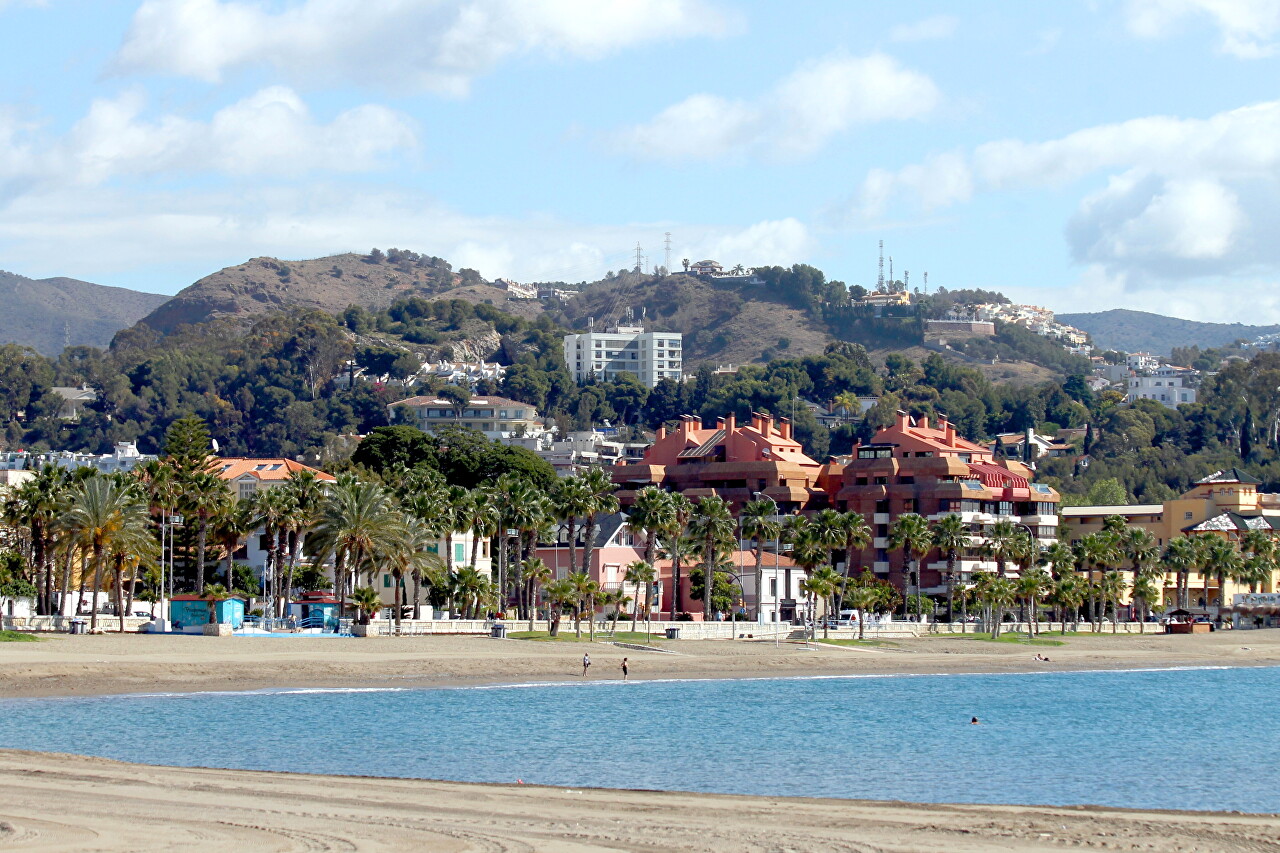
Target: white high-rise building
650,356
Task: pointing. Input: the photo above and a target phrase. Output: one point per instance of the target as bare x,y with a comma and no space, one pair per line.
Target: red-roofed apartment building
912,466
730,460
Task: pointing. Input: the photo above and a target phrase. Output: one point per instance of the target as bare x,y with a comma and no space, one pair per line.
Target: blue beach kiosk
315,610
192,612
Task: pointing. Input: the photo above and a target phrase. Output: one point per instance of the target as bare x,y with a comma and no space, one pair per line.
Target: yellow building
1226,503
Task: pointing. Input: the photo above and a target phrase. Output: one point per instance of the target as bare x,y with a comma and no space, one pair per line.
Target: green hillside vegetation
1139,331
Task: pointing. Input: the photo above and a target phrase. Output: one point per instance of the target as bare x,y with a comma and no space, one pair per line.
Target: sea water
1174,738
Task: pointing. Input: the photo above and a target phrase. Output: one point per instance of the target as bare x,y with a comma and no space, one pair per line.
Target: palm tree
998,594
585,591
1221,561
825,582
1096,551
759,523
601,500
1031,585
405,551
233,522
101,510
571,501
1068,594
36,506
212,593
536,574
1112,587
420,493
863,598
951,537
355,519
367,602
1144,592
203,494
857,537
673,535
641,575
910,534
1181,555
713,528
306,494
1259,549
559,593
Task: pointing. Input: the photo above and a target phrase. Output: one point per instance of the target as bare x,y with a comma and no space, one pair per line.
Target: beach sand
61,802
54,802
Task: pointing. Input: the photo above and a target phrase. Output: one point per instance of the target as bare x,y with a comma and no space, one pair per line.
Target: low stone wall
1047,627
62,624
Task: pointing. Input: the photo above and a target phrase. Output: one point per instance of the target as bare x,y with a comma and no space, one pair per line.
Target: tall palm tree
36,505
863,598
560,594
536,574
102,509
132,546
356,518
1221,560
951,536
1000,593
759,523
271,509
203,494
910,534
1031,585
601,501
1112,588
1144,592
857,537
1259,549
1181,555
825,582
673,537
233,522
403,552
585,592
1096,552
713,528
572,500
306,494
641,575
1067,594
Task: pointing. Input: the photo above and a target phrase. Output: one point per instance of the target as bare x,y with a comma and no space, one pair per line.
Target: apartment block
649,356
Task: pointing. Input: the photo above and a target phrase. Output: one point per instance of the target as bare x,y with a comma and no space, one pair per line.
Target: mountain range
1139,331
47,314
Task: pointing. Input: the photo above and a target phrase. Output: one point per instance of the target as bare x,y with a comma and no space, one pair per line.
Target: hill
263,285
47,313
1139,331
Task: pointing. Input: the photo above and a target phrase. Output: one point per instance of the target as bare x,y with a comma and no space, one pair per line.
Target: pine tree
186,445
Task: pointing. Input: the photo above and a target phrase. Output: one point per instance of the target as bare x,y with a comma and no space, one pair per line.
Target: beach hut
315,610
193,612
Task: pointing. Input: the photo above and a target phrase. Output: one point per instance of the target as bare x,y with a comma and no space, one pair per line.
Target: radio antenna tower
906,277
926,282
880,277
667,263
639,258
892,286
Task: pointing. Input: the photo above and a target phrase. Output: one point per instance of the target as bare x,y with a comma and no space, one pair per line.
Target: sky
1080,155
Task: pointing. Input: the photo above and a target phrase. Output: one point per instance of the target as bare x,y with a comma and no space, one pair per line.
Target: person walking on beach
624,669
586,664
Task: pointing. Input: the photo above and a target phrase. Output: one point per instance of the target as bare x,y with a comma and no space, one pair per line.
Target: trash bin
78,626
499,631
673,633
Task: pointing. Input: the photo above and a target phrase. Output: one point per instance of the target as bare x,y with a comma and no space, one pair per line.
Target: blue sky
1083,155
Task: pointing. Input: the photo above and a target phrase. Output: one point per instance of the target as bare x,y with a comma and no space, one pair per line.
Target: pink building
615,548
780,599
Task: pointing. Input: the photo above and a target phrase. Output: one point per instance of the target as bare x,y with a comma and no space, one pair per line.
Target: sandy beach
63,665
59,803
55,802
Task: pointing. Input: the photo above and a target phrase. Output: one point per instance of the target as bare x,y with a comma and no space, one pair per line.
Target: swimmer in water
973,721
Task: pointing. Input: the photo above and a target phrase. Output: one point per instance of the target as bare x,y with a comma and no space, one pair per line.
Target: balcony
880,542
880,567
880,518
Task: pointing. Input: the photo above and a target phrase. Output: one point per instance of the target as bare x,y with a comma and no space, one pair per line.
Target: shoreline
66,665
54,801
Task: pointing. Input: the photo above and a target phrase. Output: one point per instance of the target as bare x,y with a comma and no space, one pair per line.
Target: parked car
144,614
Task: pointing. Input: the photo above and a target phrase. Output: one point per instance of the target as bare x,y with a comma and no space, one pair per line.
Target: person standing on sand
586,664
624,669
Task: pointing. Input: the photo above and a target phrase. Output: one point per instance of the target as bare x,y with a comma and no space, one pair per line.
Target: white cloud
270,132
1247,28
929,29
1183,200
120,232
435,45
798,116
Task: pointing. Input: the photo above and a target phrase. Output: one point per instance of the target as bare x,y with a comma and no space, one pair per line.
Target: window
1046,508
882,506
859,481
906,481
1005,508
458,555
245,491
1186,515
386,581
875,453
909,505
773,587
882,481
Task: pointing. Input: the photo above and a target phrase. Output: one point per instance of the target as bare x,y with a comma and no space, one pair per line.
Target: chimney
784,428
904,420
719,423
951,435
730,423
766,425
661,433
922,422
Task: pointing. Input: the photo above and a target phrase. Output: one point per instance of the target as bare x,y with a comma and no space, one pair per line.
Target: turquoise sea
1176,738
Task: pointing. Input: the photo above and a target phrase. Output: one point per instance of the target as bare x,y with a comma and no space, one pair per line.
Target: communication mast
667,263
906,279
639,259
926,282
891,284
880,277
